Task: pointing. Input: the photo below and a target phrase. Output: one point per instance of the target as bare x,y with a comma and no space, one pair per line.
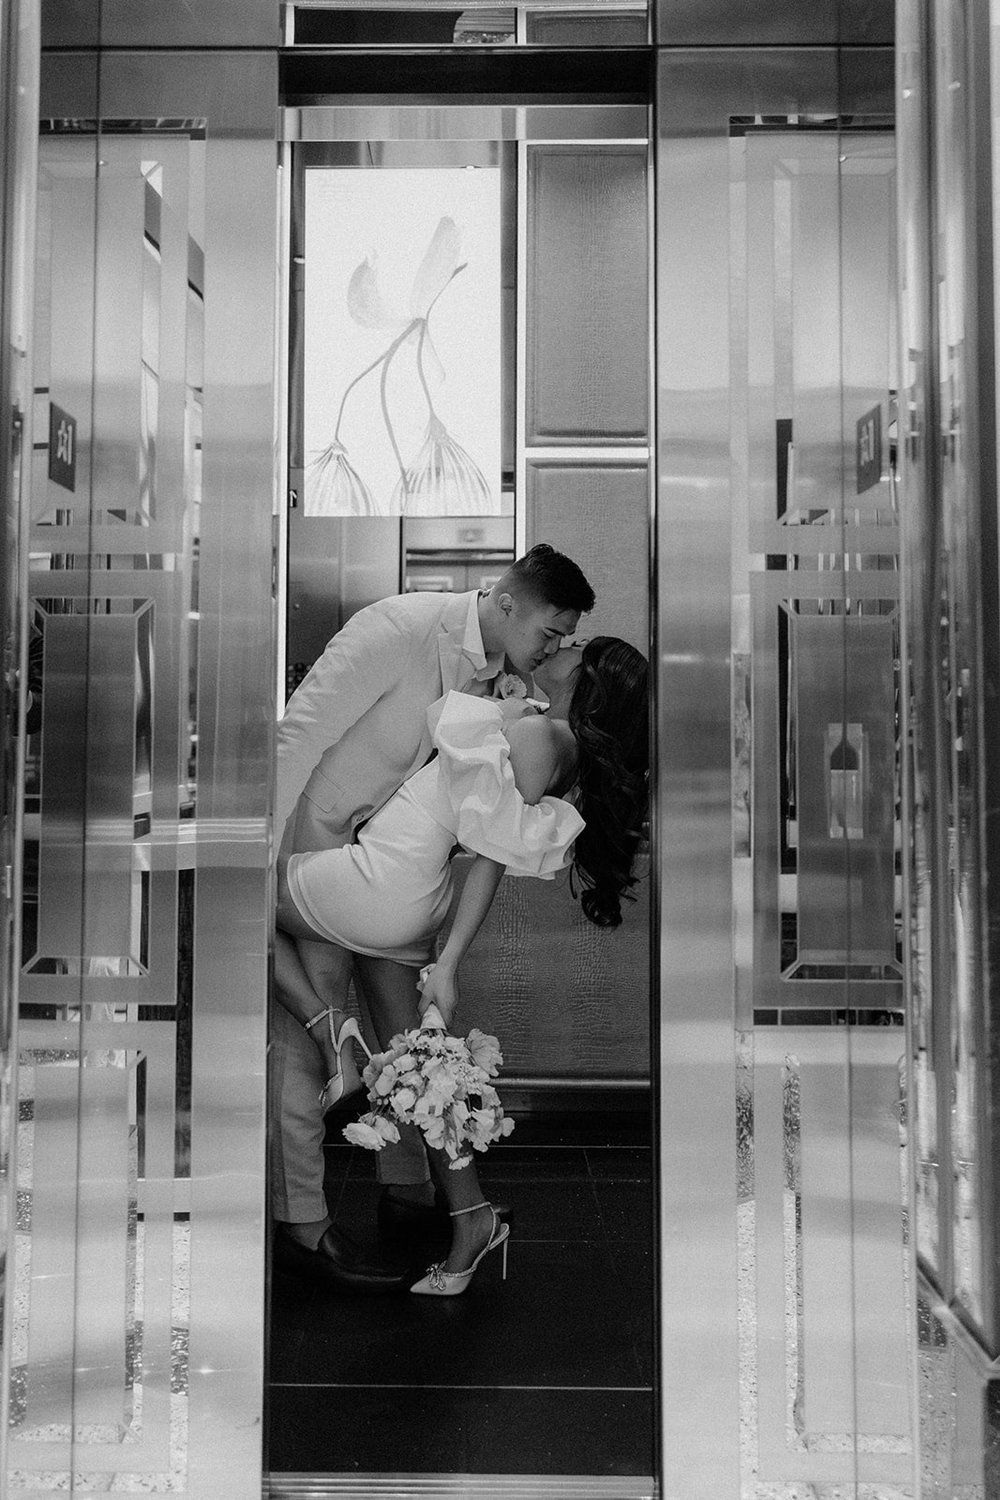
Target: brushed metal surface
827,1334
846,904
735,311
90,694
831,23
444,121
153,587
547,29
19,49
699,1391
948,481
460,1487
143,23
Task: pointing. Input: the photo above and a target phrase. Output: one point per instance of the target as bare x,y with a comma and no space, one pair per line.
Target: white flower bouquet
442,1085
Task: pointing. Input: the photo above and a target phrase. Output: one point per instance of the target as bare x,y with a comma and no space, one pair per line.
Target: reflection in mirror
549,1374
441,23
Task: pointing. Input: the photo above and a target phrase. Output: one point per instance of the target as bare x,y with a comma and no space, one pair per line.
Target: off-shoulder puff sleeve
491,816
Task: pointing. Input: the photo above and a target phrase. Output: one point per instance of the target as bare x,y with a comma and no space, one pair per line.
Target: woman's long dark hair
609,716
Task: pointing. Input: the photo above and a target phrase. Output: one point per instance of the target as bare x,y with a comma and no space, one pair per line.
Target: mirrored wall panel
19,38
147,743
779,801
948,492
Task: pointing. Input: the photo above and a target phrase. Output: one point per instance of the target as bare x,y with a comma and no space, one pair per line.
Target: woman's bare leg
470,1232
391,993
311,975
294,990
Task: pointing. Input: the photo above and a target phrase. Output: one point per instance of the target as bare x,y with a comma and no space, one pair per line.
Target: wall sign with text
62,447
869,449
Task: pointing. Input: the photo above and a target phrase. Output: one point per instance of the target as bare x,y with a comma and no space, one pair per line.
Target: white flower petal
443,480
333,487
365,301
437,267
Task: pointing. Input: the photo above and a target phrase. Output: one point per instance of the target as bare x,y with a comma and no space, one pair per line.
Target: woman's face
557,677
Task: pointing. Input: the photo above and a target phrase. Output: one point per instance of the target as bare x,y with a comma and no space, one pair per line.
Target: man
352,733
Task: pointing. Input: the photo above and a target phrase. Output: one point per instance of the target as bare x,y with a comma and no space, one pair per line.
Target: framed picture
402,400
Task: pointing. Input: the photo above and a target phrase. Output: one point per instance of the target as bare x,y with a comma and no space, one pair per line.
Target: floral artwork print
401,402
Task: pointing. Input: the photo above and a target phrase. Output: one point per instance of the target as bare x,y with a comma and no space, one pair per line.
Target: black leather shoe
337,1262
402,1222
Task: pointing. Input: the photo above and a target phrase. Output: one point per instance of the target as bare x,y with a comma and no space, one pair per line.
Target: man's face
530,630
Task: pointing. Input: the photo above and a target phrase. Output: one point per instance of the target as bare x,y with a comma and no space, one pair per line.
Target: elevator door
788,1328
139,1151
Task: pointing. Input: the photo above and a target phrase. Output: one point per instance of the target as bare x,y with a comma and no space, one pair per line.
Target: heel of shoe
503,1262
335,1087
332,1091
351,1031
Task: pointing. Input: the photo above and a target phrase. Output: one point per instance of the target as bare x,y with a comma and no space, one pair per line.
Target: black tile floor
548,1372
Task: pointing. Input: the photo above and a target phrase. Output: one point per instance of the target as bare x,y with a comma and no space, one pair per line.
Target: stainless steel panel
88,1272
699,1392
824,1314
948,450
544,28
76,712
775,959
740,216
153,589
846,773
609,6
142,23
19,49
692,23
363,120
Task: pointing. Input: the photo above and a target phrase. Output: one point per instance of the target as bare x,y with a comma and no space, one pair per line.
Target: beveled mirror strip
713,358
459,1487
540,6
442,121
182,441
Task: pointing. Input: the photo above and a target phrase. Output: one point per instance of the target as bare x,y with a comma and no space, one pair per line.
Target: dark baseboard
551,1096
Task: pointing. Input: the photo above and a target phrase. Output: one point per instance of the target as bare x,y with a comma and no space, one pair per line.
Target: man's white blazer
357,726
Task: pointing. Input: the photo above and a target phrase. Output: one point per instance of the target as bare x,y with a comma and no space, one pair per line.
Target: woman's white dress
388,894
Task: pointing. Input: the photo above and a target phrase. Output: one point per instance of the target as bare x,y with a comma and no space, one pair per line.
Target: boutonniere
509,685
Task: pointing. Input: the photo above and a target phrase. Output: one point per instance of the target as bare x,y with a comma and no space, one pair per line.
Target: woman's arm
534,759
441,984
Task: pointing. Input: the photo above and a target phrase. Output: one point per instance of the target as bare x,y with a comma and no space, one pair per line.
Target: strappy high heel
441,1283
336,1085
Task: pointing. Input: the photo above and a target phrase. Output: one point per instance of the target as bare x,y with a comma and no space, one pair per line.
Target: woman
527,794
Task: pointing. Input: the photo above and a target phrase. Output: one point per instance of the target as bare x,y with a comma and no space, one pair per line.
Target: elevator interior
567,183
796,1347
